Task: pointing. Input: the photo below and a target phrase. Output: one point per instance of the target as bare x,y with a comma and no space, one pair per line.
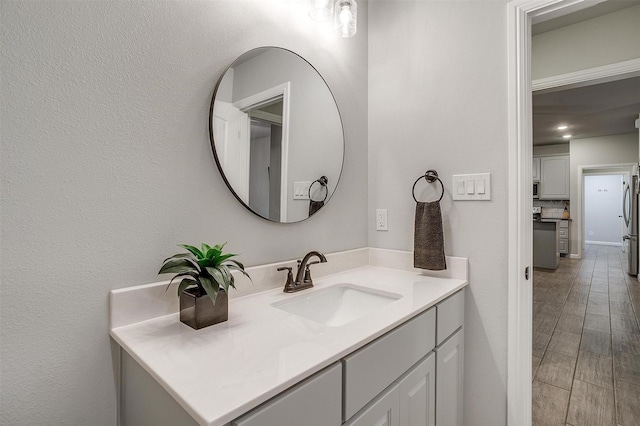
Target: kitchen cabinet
535,170
545,245
563,237
554,178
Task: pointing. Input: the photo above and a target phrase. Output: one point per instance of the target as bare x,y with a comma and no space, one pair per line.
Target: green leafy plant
208,268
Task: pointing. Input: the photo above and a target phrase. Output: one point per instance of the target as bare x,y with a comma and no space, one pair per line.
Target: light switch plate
301,190
472,187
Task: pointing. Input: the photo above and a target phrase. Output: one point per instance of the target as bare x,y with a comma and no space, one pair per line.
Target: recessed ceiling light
562,127
566,136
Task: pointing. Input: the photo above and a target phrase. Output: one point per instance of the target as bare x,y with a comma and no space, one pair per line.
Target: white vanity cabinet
371,369
315,401
384,410
410,376
418,394
427,393
449,372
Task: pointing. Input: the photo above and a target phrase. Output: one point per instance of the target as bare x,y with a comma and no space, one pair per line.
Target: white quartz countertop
220,372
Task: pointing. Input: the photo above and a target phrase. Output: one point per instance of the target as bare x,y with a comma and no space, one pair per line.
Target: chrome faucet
303,276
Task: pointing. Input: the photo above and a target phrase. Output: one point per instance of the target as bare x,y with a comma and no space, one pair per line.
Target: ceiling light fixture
566,136
562,127
345,18
320,10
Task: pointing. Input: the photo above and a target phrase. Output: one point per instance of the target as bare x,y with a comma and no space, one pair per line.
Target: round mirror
276,134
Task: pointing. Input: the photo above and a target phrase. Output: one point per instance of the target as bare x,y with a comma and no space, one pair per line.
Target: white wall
106,165
604,40
606,150
437,99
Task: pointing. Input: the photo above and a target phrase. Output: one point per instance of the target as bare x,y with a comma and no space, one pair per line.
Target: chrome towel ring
430,176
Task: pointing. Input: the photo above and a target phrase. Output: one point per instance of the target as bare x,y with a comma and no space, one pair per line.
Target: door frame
520,15
284,91
625,170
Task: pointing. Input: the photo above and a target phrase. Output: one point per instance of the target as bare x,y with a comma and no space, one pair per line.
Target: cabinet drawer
368,371
450,316
563,246
315,401
563,224
563,233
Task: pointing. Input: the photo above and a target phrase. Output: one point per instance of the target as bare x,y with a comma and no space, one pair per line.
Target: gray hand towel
314,206
428,243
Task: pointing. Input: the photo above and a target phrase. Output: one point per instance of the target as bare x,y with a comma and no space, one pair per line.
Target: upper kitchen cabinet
554,178
535,171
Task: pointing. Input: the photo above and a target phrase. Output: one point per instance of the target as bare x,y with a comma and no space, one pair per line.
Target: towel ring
322,181
430,176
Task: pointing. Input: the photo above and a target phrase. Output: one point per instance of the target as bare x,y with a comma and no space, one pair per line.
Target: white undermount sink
337,305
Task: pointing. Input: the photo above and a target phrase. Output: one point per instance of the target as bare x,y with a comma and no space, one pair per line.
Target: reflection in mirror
276,134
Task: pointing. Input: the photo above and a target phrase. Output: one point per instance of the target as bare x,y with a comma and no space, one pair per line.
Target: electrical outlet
381,220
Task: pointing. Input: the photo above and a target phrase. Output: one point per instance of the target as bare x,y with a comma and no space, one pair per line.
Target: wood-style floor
586,342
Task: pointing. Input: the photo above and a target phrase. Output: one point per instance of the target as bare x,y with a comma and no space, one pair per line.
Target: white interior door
231,137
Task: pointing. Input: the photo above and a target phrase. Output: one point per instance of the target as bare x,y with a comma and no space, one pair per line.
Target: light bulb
345,17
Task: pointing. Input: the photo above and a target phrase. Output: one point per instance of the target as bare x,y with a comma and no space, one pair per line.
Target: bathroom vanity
274,363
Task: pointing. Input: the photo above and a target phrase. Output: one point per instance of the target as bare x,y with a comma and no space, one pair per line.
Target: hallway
586,342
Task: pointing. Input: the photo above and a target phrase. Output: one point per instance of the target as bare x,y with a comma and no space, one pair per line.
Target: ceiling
599,9
597,110
590,111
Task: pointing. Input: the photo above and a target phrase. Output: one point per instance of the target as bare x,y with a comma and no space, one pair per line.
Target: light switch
470,187
480,186
475,187
301,190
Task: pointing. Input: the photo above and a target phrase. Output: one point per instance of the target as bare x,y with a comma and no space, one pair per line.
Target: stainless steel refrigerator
630,213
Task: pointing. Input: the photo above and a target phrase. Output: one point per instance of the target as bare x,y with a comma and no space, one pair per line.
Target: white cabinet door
418,394
554,178
535,171
449,377
382,411
371,369
315,401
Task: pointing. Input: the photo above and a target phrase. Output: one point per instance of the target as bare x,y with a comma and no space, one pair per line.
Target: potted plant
205,277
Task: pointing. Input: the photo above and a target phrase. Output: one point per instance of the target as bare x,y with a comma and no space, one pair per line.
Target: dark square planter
198,311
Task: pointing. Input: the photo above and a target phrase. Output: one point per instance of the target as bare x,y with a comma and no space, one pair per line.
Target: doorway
602,195
520,15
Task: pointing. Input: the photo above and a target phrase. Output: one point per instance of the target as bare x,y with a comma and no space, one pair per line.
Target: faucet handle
289,284
307,272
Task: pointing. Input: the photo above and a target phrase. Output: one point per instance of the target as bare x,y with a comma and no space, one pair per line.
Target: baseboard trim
603,243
